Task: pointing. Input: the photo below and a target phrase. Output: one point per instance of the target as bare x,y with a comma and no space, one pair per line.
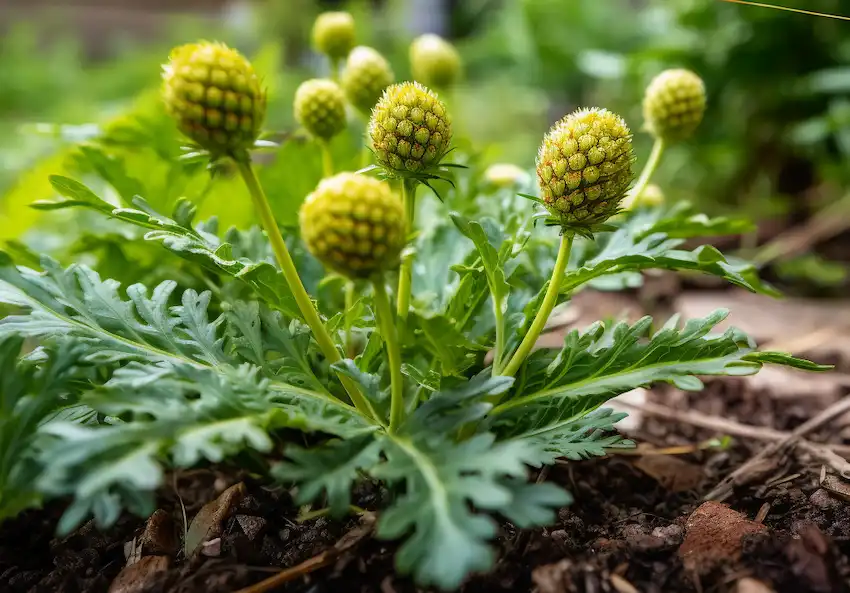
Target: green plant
119,383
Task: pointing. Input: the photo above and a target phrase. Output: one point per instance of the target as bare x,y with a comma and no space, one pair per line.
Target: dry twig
329,556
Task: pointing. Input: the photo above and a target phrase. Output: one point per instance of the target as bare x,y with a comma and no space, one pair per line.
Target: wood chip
622,585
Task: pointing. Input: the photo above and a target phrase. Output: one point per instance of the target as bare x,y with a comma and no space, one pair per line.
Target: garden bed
632,527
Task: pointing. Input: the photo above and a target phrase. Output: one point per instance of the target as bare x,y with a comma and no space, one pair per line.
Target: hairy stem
327,159
499,349
646,174
350,294
549,301
384,312
287,266
405,274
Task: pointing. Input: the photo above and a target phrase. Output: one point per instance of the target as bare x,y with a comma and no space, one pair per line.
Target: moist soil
631,528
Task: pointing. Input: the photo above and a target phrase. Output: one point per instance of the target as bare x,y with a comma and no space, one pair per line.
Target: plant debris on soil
639,522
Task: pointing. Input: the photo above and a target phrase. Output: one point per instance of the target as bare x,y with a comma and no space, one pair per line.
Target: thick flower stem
646,174
327,159
384,312
549,301
405,275
287,266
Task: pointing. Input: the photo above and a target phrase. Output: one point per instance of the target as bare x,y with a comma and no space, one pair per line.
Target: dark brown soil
624,533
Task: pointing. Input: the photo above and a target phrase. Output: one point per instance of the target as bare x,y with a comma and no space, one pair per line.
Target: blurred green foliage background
774,144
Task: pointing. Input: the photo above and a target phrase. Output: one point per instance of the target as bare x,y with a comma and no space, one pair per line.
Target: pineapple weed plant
422,375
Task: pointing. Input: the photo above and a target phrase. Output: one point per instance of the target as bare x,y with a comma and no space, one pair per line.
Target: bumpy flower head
584,166
674,104
320,108
367,73
333,34
215,97
354,224
434,61
409,129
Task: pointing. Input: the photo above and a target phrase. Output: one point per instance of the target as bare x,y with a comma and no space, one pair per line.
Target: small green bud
410,129
354,224
674,104
434,61
215,97
333,34
365,76
584,166
650,197
320,108
505,175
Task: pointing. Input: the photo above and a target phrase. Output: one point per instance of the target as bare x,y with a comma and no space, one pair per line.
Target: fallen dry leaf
674,474
207,524
138,576
159,537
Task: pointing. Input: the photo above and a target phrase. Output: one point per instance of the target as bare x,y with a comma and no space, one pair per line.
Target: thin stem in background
646,174
789,9
287,266
327,159
384,312
405,275
549,301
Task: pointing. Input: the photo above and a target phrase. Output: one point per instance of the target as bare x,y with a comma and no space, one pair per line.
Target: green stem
336,63
287,266
549,302
646,174
500,337
384,312
327,158
350,294
405,275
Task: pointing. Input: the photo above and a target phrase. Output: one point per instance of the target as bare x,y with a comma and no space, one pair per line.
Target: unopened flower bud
333,34
320,108
505,175
674,104
215,97
434,61
409,129
354,224
365,76
650,197
584,166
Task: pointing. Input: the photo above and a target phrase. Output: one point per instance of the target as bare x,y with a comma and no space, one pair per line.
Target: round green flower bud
434,61
584,166
650,197
674,104
410,130
215,96
354,224
320,108
365,76
333,34
505,175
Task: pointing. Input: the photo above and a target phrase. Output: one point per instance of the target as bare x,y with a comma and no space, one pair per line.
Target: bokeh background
774,145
